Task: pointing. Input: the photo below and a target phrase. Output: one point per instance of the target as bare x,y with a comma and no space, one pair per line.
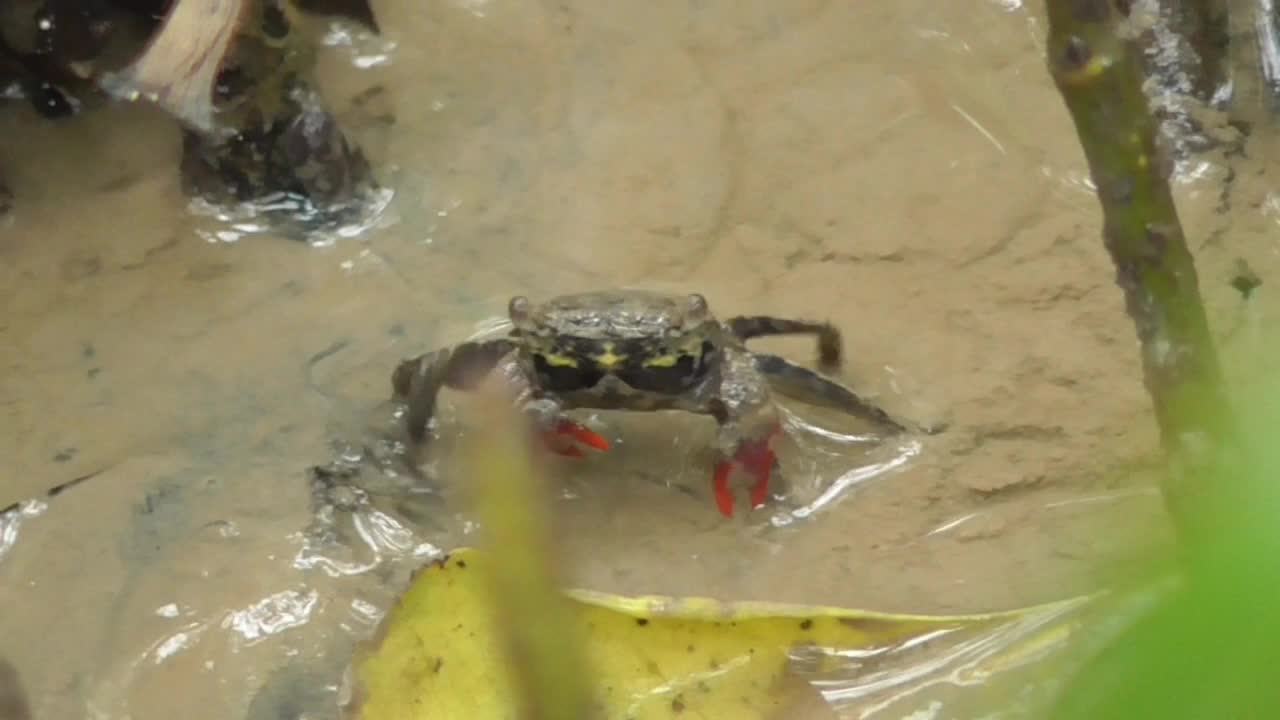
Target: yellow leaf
439,655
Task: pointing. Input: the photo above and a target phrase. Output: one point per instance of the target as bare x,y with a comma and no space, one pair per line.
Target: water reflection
11,522
1111,498
273,614
173,644
365,49
848,480
929,676
292,216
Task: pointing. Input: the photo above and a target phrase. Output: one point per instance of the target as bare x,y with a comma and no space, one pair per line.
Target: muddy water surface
905,169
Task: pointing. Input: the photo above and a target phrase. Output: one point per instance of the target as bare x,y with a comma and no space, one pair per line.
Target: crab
641,351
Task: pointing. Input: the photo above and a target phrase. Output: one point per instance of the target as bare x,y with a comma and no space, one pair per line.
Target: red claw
724,495
756,457
582,434
555,439
760,491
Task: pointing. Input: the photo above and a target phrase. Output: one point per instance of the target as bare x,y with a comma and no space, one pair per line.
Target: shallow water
905,169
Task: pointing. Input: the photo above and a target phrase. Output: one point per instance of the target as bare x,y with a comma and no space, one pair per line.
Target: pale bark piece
178,69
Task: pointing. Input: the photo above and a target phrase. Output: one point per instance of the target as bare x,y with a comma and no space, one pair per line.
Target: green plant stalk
544,650
1205,645
1207,649
1099,74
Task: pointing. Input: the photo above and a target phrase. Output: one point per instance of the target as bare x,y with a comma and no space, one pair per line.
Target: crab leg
418,380
808,386
829,350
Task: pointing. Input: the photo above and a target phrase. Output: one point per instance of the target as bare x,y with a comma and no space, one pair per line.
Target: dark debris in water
301,689
13,698
6,198
1244,279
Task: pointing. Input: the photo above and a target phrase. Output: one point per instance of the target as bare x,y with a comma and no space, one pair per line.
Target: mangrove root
1099,74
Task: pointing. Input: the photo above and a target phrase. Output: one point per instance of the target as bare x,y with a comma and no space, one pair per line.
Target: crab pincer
560,438
758,458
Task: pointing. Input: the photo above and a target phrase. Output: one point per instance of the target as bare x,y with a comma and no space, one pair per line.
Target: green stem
1099,74
544,645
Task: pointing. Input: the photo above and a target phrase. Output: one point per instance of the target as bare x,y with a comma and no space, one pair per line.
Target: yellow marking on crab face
555,360
609,359
688,347
662,361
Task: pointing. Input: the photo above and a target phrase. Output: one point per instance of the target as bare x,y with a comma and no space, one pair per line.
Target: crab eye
562,373
520,313
697,305
667,374
670,373
518,308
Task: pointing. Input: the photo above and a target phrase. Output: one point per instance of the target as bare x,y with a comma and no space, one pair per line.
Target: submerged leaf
439,657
